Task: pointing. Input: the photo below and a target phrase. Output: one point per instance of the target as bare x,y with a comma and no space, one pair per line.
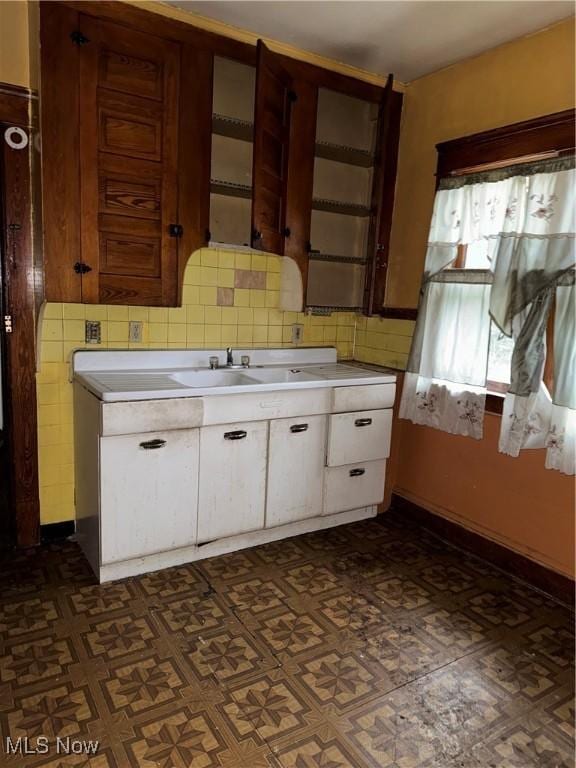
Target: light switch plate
92,332
135,331
297,333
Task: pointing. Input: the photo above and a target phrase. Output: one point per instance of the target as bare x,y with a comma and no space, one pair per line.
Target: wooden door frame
20,295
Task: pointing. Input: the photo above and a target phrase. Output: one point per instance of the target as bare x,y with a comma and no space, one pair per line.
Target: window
478,255
546,137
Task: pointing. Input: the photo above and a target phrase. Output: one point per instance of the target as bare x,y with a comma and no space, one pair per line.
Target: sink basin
280,375
217,378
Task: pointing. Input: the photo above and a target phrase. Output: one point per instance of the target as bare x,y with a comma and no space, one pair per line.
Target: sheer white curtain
518,224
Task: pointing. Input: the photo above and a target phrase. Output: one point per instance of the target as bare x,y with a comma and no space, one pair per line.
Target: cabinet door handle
357,472
152,445
238,434
298,427
363,422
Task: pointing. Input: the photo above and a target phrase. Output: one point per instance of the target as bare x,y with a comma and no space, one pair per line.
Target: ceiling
410,38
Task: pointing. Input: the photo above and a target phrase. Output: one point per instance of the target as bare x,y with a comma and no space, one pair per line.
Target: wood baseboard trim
54,531
558,586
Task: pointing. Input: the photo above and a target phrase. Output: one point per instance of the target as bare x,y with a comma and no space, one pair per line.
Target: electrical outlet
297,333
92,332
135,331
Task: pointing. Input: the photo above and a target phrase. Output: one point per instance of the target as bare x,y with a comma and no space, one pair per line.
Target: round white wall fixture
16,138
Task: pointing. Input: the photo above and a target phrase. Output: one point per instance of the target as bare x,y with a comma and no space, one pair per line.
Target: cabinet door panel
271,141
137,256
128,133
295,469
148,495
136,74
301,175
232,479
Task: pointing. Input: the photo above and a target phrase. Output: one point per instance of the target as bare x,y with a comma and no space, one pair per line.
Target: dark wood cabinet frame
198,48
548,135
20,294
308,78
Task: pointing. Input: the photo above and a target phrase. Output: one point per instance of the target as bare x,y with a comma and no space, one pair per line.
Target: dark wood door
301,176
19,439
383,190
6,515
129,89
274,96
195,149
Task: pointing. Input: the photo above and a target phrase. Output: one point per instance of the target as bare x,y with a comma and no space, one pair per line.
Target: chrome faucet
244,360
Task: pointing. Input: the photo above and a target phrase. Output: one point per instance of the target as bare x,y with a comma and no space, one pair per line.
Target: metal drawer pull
363,422
151,445
357,472
238,434
298,427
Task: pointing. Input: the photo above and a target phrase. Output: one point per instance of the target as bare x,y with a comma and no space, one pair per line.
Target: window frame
546,136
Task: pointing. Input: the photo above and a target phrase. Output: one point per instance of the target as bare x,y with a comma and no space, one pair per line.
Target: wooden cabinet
148,493
158,137
129,89
232,479
124,197
352,183
295,469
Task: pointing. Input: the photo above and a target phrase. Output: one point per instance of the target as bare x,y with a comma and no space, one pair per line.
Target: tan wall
522,79
513,501
14,44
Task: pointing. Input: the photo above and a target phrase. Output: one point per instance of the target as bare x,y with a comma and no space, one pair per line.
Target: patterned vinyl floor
372,644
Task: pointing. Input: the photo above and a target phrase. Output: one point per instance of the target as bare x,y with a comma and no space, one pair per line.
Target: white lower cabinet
295,469
232,487
157,498
353,486
148,493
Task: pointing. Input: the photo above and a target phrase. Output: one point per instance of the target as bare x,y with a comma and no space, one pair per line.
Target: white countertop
162,374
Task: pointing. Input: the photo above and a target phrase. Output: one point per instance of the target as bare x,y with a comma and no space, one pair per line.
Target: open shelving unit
232,145
341,208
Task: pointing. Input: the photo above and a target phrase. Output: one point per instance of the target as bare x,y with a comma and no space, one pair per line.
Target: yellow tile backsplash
382,341
253,320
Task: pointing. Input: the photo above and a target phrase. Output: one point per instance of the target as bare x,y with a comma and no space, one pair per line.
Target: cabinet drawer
363,398
256,406
359,436
126,418
353,486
